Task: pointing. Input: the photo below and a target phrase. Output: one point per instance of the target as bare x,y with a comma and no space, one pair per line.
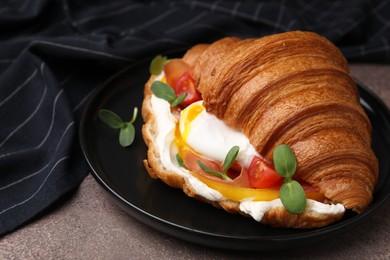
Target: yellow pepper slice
239,193
236,193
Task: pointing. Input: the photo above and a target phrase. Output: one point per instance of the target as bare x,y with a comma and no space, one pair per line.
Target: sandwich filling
199,133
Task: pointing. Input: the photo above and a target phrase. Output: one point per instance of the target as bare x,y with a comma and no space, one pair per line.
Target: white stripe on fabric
387,47
51,123
39,188
103,34
380,32
47,134
171,40
364,16
381,18
63,82
215,5
125,36
150,22
242,15
81,50
363,51
291,24
23,6
84,99
380,5
30,116
53,115
305,6
344,20
257,11
235,8
328,11
77,38
44,167
20,87
187,24
280,15
222,32
105,15
131,37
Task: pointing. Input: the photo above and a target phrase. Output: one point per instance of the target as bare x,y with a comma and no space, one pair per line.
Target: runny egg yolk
184,126
209,136
187,116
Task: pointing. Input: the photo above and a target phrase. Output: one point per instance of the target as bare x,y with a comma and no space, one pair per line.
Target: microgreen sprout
229,160
126,129
180,161
157,65
292,194
166,92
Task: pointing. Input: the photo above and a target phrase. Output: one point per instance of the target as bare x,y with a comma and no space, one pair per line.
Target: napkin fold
55,53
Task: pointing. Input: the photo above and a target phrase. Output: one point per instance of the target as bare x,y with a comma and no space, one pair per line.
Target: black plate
121,172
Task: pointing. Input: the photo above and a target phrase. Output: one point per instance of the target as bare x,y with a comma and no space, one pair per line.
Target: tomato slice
186,85
179,76
262,175
174,69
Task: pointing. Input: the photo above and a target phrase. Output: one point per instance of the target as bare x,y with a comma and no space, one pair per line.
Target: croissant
293,88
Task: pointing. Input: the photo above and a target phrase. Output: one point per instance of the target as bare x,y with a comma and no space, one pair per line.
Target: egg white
211,137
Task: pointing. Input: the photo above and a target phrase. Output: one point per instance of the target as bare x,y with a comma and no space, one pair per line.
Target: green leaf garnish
178,100
157,65
166,92
292,194
127,130
212,172
229,160
284,161
110,118
180,160
293,197
126,135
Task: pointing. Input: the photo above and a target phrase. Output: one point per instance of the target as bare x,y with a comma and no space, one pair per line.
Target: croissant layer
293,88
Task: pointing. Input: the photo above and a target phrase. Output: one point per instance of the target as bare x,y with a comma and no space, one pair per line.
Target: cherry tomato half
262,175
174,69
186,85
178,75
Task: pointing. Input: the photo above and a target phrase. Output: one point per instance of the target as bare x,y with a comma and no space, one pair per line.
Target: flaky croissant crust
293,88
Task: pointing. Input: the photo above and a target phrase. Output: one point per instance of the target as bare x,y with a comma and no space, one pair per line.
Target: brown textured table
89,226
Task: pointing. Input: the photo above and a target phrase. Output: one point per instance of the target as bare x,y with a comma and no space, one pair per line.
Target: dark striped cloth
54,53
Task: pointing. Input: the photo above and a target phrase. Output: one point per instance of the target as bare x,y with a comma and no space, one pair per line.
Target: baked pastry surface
292,88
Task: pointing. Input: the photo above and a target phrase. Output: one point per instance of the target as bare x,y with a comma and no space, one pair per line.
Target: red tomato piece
178,75
234,171
174,69
186,85
262,175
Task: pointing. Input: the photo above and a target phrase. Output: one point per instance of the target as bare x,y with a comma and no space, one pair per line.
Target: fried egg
209,136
